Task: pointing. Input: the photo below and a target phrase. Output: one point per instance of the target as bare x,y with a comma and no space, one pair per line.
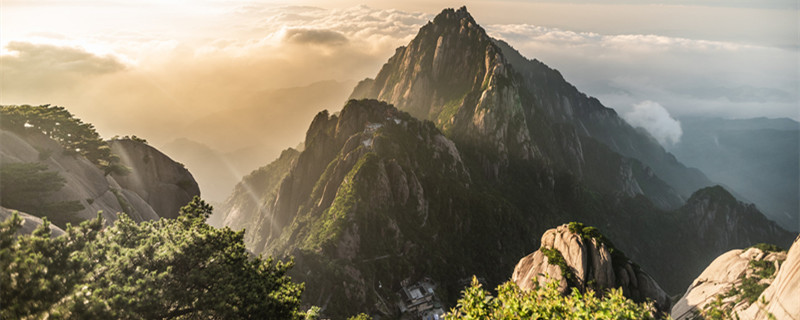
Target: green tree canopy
546,303
60,125
170,268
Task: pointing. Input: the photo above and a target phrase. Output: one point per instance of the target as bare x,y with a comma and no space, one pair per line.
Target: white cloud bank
687,76
211,59
656,120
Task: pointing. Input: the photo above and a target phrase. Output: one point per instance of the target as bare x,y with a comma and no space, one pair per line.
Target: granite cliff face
755,283
161,182
503,108
723,222
580,257
780,298
85,183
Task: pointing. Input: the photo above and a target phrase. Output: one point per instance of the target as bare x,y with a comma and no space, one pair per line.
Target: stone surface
727,271
155,189
591,263
783,295
163,183
29,222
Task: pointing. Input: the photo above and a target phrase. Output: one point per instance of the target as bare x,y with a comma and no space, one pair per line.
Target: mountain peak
714,193
451,16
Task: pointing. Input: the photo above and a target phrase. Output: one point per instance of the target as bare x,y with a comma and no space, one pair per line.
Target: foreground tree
171,268
60,125
546,303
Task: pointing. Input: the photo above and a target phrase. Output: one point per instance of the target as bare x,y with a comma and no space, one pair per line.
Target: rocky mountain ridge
492,99
154,188
378,198
759,158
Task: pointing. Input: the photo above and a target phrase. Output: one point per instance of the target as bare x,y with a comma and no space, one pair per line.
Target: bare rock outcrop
782,297
161,182
733,284
156,187
580,257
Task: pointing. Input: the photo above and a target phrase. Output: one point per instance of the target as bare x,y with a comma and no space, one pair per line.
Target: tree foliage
171,268
26,186
60,125
545,303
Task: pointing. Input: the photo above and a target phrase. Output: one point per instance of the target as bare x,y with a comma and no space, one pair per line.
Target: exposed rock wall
727,284
87,184
484,95
161,182
782,297
588,263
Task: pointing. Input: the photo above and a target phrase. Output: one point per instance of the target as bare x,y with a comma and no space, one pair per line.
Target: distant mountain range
222,147
758,158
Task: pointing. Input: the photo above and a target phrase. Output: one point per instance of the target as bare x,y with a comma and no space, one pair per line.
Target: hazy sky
153,67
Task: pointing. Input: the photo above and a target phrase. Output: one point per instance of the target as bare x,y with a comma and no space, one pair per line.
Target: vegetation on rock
171,268
60,125
546,303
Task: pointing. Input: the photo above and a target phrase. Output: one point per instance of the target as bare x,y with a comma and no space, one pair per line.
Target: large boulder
580,257
759,282
161,182
782,298
155,188
721,280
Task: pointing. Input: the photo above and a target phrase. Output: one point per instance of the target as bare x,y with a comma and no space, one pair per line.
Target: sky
171,70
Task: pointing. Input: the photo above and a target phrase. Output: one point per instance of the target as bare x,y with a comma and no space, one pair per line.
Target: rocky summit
580,257
486,96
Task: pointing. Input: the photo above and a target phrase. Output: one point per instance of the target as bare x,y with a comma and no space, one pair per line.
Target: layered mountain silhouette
461,156
759,158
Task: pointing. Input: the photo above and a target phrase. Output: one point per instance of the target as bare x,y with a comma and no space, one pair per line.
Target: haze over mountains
758,158
461,161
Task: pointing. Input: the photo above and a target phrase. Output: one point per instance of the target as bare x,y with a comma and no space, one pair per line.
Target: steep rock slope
163,183
243,207
501,107
580,257
780,299
725,278
712,222
549,92
378,197
760,282
87,184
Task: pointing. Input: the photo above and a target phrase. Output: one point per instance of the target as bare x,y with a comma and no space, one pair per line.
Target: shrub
545,303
